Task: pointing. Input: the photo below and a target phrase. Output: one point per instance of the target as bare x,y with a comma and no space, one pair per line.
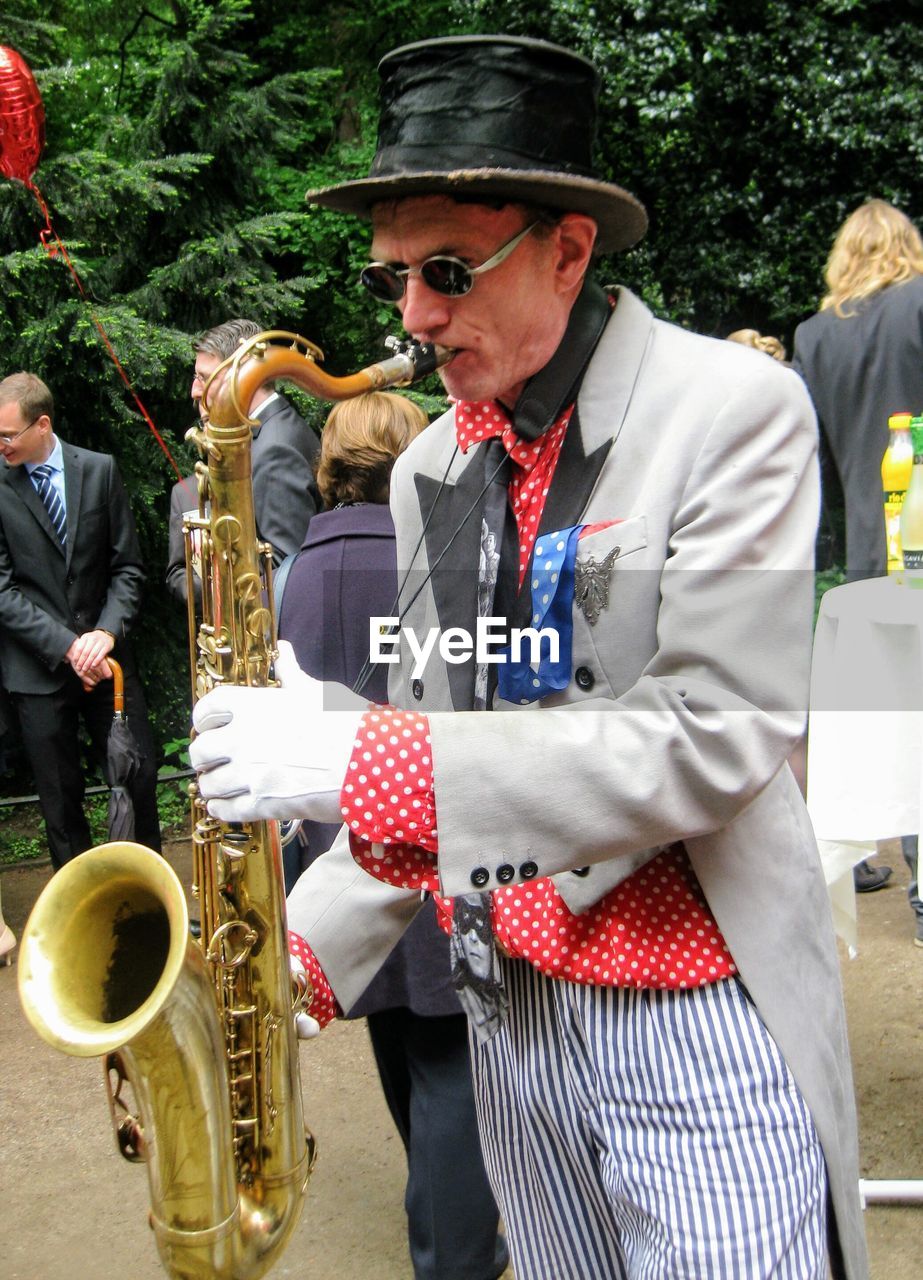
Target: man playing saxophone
657,1032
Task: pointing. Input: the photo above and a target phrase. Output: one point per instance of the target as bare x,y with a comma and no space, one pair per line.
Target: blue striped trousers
647,1135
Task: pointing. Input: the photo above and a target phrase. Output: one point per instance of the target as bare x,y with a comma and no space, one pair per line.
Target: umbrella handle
118,686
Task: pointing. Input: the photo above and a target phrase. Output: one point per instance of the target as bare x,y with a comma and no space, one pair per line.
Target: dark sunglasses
443,274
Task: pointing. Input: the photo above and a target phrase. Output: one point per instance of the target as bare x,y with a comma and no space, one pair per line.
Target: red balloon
22,117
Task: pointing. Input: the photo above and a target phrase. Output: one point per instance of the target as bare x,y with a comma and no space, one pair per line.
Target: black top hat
495,116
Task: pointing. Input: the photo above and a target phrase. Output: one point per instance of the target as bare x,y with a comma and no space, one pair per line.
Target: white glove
275,753
306,1027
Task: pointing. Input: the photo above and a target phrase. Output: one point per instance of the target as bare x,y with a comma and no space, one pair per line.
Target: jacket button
584,677
505,872
580,871
479,877
528,870
416,689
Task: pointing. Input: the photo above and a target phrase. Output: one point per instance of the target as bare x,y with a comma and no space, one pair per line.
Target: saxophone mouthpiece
425,357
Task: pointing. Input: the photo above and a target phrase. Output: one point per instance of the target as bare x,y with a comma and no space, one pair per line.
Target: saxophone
202,1033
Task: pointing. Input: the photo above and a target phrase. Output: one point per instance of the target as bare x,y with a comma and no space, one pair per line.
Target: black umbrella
123,759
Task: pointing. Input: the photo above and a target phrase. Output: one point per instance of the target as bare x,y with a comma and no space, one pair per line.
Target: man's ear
575,236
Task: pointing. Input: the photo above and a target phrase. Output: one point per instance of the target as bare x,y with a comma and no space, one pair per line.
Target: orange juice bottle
896,468
912,513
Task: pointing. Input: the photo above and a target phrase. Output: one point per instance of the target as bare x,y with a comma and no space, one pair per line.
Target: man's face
509,324
205,366
478,954
21,440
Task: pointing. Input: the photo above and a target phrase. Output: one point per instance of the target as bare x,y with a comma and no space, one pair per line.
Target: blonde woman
862,359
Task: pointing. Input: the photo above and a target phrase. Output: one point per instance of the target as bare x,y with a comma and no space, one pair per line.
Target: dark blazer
285,494
183,497
344,575
860,369
48,594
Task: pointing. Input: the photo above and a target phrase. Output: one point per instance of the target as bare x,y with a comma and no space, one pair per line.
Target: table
865,746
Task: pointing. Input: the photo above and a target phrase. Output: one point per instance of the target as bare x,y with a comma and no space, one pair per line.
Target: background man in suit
284,457
70,590
659,1049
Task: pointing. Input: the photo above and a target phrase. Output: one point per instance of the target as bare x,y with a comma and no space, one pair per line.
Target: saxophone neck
229,392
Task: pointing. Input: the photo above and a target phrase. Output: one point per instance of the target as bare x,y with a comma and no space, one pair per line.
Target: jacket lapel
453,539
21,483
595,425
610,381
73,490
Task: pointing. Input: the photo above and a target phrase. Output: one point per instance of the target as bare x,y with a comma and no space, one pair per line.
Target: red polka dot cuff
323,1007
388,801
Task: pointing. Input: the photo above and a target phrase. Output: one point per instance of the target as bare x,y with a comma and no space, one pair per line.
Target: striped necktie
41,477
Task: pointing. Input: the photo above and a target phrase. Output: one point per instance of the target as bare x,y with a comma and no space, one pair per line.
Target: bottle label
893,504
913,567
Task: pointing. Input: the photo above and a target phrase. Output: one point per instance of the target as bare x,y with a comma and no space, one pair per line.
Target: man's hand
87,655
90,679
275,753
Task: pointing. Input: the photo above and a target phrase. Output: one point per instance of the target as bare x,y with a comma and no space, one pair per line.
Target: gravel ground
73,1208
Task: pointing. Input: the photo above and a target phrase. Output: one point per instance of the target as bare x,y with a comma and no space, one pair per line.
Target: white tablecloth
865,729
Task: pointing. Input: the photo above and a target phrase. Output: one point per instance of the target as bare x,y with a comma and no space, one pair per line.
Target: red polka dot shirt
653,930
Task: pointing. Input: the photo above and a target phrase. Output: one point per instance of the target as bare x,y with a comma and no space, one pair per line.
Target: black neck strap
548,393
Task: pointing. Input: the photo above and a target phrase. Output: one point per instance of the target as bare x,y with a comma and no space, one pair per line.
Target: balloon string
47,235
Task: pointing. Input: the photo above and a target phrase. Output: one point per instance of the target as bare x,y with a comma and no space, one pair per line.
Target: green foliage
22,835
165,140
173,802
173,806
749,130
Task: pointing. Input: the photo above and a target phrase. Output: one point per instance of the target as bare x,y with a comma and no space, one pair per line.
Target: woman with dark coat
861,356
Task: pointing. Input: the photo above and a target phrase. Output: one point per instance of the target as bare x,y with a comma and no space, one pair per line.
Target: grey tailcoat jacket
50,594
686,697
